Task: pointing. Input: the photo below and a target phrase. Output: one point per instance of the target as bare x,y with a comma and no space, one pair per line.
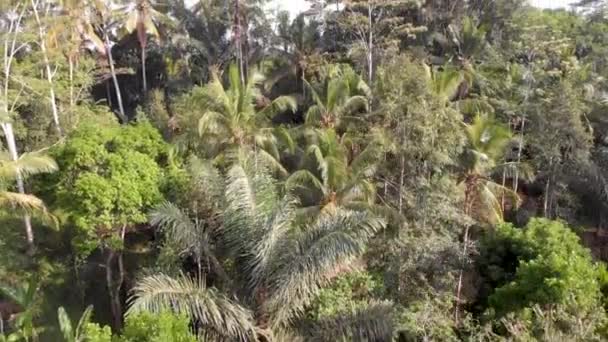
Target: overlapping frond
303,179
279,105
206,306
371,323
309,259
183,232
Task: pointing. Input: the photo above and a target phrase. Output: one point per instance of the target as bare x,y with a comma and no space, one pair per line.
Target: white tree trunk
144,77
9,135
47,66
121,109
10,49
370,46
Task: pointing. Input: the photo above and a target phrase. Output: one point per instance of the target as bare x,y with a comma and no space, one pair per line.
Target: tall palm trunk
47,65
122,115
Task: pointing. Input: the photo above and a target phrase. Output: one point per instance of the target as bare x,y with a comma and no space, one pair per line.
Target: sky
296,6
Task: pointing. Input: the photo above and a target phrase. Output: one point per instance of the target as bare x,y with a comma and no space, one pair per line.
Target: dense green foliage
370,170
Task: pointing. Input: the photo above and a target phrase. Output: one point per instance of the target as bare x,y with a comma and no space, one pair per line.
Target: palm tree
487,140
145,20
27,164
299,46
337,180
278,267
344,94
232,121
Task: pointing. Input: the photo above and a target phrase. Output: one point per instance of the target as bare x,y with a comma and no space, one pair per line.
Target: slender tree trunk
237,35
122,115
114,287
108,93
144,77
548,190
71,66
401,183
47,65
114,305
465,246
504,184
10,49
519,150
370,45
9,135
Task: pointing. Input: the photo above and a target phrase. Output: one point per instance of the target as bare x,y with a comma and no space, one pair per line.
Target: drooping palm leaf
28,164
371,323
204,305
310,259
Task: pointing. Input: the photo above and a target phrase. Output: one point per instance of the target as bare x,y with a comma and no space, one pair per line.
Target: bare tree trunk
114,287
47,65
519,150
10,49
71,66
547,190
370,46
461,275
9,135
122,115
144,77
465,238
237,35
504,181
114,301
401,182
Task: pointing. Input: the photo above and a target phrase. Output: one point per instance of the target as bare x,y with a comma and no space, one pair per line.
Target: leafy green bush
544,264
147,327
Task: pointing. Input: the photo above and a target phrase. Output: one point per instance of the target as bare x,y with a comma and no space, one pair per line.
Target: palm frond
352,105
314,114
183,232
303,179
28,164
279,105
313,257
213,122
26,204
374,322
204,305
207,179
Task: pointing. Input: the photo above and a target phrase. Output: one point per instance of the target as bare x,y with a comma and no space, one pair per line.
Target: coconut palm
336,180
237,117
487,141
144,20
278,266
344,94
